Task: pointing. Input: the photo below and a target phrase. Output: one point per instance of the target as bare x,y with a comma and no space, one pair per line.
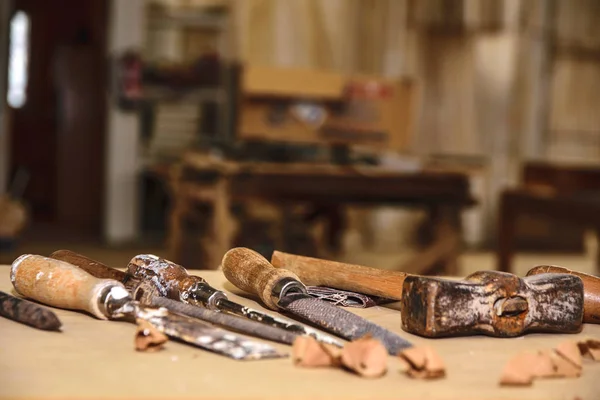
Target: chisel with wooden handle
591,290
280,289
356,278
147,292
60,284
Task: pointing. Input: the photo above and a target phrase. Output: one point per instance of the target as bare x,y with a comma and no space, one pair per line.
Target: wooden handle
59,284
251,272
591,290
356,278
172,280
90,266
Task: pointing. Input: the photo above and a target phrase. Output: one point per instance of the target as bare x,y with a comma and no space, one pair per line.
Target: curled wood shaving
366,356
422,362
307,352
148,338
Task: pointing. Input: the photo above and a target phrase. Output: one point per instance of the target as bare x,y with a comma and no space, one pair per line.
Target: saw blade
340,322
206,336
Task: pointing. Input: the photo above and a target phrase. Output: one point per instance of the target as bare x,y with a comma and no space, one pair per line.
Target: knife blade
60,284
281,289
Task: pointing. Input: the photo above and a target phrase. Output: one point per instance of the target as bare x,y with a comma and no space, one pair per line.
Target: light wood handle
59,284
251,272
356,278
591,290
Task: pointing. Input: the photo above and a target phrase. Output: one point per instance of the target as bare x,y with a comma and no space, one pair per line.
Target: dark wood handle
591,289
90,266
59,284
251,272
356,278
172,280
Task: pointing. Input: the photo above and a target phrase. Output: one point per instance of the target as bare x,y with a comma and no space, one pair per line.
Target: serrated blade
340,322
206,336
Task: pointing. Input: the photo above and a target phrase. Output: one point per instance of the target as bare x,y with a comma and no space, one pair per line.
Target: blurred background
435,136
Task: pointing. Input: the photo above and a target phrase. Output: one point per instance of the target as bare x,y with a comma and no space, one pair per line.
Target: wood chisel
281,289
146,292
173,281
59,284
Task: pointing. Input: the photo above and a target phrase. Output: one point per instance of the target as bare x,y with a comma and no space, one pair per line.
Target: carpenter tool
60,284
147,293
591,290
28,313
492,303
356,278
173,281
282,289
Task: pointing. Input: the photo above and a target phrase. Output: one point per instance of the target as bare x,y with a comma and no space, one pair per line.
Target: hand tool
60,284
492,303
173,281
149,294
591,290
356,278
28,313
281,289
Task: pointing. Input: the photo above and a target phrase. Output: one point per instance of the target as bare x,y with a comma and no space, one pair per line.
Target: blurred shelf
186,18
200,95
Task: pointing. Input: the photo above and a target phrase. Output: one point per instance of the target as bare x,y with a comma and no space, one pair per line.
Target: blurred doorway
57,125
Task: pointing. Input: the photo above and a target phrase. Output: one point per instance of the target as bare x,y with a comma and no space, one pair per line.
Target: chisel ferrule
286,286
204,294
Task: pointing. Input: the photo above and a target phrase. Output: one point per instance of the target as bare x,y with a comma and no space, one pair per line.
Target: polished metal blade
229,306
205,336
340,322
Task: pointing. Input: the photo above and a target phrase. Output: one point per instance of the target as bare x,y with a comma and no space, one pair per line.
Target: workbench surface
96,359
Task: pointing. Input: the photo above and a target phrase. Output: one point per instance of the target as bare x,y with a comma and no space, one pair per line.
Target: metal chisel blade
206,336
238,309
340,322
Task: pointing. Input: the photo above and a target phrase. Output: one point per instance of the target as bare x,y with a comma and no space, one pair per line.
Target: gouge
60,284
173,281
492,303
591,290
356,278
147,293
282,289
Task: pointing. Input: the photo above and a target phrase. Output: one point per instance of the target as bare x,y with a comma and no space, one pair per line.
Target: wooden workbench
96,359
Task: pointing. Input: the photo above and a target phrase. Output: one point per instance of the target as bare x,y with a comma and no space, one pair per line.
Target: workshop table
96,359
198,179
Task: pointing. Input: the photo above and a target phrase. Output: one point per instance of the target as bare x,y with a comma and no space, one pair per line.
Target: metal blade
205,336
340,322
226,305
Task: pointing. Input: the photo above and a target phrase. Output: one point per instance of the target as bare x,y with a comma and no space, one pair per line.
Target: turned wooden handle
356,278
90,266
591,290
251,272
59,284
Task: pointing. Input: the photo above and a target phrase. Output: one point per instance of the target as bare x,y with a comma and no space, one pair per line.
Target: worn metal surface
28,313
492,303
172,281
339,321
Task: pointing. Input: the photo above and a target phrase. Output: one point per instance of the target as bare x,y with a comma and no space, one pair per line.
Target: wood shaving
563,367
590,348
569,350
366,356
307,352
422,362
518,371
148,338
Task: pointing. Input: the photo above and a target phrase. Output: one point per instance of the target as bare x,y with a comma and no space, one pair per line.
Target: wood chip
518,371
590,348
569,350
563,367
366,356
544,366
423,363
148,338
307,352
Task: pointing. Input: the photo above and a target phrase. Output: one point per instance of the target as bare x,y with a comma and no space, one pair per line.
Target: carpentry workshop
300,199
